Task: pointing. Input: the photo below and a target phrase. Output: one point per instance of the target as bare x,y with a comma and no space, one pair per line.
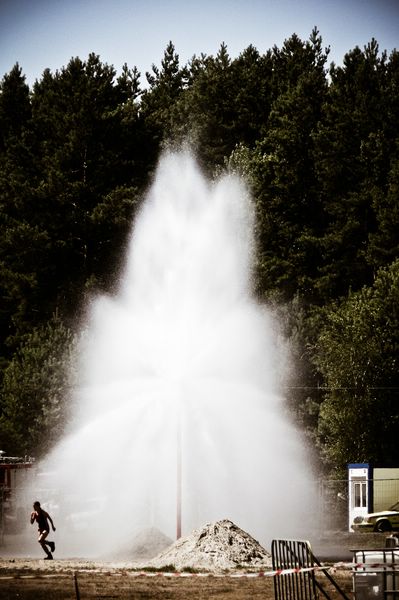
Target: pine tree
289,213
15,108
350,126
166,85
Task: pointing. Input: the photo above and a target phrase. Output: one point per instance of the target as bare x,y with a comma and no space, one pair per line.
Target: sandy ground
31,579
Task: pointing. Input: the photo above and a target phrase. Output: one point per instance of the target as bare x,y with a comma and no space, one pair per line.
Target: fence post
75,581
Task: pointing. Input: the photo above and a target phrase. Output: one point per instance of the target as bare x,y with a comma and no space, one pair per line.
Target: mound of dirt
219,546
149,543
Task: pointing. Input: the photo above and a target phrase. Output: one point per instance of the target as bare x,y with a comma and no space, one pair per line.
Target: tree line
319,147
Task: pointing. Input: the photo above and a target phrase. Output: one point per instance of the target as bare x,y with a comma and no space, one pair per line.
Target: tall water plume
179,407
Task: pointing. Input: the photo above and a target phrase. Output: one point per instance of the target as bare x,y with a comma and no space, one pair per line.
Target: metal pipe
178,477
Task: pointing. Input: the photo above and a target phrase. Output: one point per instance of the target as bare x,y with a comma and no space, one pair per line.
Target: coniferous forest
319,147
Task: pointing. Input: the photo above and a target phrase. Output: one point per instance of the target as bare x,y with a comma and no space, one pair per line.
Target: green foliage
166,86
36,388
349,139
63,216
357,354
14,106
112,218
384,240
319,151
226,102
289,212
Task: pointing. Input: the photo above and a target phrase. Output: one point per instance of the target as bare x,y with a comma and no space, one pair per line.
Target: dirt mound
217,546
149,543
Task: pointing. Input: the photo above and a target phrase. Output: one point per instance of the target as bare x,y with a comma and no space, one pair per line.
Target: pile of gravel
220,546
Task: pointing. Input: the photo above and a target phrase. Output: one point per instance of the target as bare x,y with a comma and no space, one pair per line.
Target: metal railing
301,583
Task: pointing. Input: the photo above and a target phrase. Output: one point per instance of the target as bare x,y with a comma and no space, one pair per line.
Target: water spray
183,320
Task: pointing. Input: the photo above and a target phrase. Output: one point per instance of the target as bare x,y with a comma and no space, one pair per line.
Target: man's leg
43,543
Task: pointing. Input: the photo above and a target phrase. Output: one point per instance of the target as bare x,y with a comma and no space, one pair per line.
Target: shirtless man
42,518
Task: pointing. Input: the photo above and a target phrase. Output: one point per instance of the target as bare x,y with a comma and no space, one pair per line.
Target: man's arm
32,517
51,521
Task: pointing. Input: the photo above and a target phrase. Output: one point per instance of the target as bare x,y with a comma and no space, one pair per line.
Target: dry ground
70,580
34,579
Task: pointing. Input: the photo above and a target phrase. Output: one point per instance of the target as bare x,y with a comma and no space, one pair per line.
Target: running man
42,518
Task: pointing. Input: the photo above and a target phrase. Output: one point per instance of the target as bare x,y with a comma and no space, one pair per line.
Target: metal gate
293,554
301,583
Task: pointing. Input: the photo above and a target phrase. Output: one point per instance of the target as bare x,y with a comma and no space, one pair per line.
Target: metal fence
298,566
333,504
293,554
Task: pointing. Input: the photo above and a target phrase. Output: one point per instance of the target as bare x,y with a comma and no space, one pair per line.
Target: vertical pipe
178,476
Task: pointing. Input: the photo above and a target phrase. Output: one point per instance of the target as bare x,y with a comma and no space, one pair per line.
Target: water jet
179,414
